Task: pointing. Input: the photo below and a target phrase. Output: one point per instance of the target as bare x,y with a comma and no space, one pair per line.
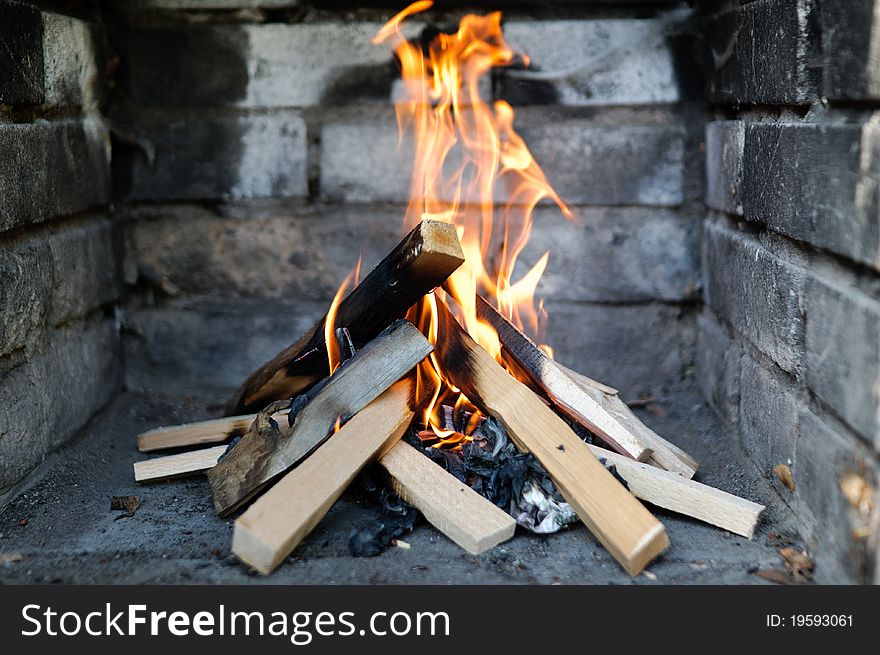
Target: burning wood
618,520
256,460
422,261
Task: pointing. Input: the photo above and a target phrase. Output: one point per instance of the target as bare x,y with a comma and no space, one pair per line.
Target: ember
506,435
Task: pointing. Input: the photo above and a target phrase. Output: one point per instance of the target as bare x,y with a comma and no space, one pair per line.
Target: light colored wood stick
619,521
453,508
665,454
200,433
585,381
177,466
418,264
673,492
281,518
562,391
257,459
194,434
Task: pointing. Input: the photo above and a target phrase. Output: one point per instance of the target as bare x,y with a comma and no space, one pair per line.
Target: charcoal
612,469
392,516
396,518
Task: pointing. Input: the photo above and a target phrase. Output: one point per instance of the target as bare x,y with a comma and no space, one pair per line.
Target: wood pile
298,434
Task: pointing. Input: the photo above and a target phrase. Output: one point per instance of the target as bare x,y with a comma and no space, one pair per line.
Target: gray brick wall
789,344
60,254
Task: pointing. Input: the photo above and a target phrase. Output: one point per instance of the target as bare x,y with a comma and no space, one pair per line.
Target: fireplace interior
186,183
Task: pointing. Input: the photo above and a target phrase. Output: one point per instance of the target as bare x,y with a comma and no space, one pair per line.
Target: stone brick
587,163
757,293
765,52
636,348
255,66
612,254
813,182
298,256
770,406
52,278
25,281
86,268
718,367
50,169
724,161
177,349
21,55
824,454
605,62
608,165
70,61
851,63
47,59
207,156
46,399
843,352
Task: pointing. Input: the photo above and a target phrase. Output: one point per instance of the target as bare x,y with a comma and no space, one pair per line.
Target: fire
334,359
465,151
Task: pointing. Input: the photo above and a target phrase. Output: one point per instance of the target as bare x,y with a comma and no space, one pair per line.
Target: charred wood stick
346,345
281,518
419,263
562,391
688,497
260,456
619,521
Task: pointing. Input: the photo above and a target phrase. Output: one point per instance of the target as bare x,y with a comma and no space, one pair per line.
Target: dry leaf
8,558
783,472
128,503
774,575
857,492
798,563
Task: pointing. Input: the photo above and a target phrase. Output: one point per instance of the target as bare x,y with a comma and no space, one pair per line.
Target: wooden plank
281,518
585,381
665,454
562,391
257,459
177,466
419,263
217,430
452,507
619,521
673,492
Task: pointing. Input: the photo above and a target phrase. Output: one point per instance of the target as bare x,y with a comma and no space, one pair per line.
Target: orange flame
465,150
334,358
